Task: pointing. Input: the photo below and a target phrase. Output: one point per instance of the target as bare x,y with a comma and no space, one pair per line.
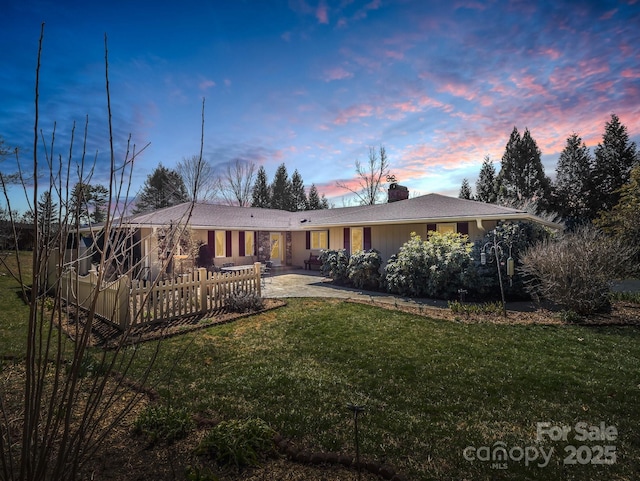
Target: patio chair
265,271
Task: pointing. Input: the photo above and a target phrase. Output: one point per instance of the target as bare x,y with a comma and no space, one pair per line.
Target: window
247,243
320,239
221,244
447,228
357,239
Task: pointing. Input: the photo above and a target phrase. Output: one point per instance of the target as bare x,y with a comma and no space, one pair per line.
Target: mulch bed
622,314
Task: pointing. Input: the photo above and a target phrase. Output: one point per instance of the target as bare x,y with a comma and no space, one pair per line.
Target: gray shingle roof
425,209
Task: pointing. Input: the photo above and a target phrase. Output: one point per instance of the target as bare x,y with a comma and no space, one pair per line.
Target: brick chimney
397,192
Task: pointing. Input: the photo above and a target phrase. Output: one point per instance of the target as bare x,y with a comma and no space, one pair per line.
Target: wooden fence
126,301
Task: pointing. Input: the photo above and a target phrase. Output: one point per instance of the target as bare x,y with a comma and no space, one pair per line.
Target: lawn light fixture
356,409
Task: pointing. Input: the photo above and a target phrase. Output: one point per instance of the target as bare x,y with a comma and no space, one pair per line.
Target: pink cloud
593,67
528,84
322,14
354,113
628,73
471,5
337,73
207,84
552,53
394,54
364,11
608,15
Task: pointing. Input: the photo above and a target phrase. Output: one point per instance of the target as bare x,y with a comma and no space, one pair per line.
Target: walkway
297,282
303,283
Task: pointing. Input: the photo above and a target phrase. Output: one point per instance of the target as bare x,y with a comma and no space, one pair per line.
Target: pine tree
299,199
98,203
522,175
315,201
614,159
571,188
486,187
261,196
79,204
281,190
465,190
163,188
48,219
623,220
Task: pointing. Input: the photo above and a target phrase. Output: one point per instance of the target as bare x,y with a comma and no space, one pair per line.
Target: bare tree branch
370,177
237,183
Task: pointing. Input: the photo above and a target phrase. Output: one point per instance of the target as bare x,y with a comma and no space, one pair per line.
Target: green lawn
431,388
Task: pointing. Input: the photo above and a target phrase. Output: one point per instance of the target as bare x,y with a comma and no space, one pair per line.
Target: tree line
586,187
237,186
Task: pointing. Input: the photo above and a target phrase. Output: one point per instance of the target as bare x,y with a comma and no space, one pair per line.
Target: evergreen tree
281,190
522,175
465,190
97,202
299,199
571,188
623,220
261,196
163,188
315,201
48,219
614,159
486,187
79,204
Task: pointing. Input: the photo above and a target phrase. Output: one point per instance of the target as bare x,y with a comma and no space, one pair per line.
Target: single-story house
243,235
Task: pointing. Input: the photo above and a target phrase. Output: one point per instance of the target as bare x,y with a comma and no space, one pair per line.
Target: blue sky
315,83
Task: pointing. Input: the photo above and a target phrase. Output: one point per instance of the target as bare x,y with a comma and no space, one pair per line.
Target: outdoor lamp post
496,246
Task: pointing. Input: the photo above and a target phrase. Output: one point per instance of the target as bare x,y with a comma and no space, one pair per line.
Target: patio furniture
265,271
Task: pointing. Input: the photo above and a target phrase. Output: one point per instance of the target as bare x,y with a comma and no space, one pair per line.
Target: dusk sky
315,83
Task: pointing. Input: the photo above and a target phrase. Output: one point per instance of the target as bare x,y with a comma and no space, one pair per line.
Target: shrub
244,301
238,443
433,268
513,238
364,269
163,424
578,269
335,264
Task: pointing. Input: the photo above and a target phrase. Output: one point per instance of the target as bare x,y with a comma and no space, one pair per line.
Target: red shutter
241,252
367,238
347,239
229,247
211,242
308,239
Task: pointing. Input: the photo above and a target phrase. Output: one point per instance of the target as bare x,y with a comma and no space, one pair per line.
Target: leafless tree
370,177
236,185
199,178
54,414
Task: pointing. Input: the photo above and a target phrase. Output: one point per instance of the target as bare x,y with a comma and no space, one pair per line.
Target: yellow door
276,248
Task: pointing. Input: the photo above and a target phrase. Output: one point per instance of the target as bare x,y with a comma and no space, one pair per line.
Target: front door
276,248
